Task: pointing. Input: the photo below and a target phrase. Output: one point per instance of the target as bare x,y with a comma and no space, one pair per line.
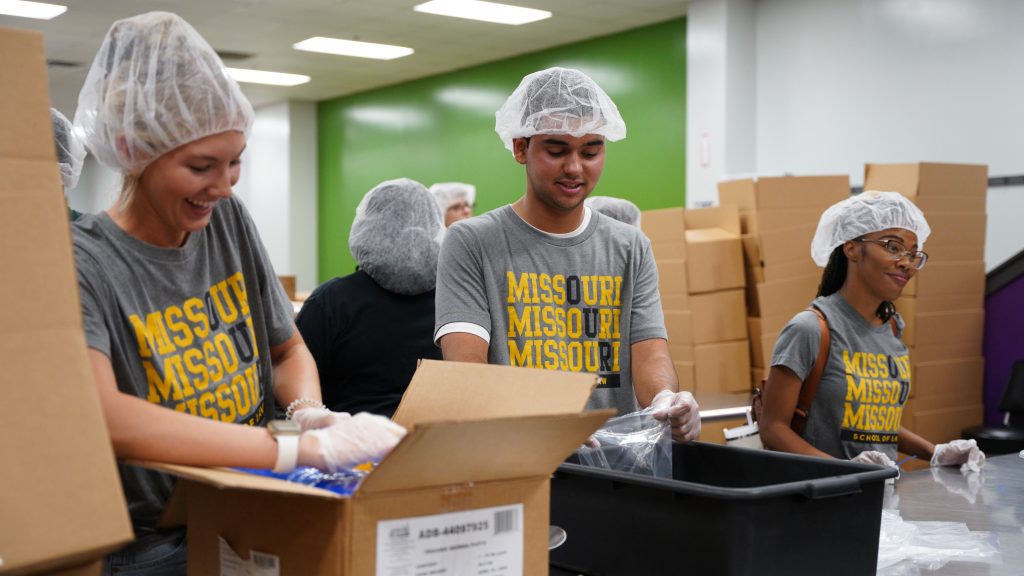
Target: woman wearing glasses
870,247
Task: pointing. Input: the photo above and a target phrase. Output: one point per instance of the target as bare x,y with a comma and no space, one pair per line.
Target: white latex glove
681,411
877,458
965,452
314,418
355,440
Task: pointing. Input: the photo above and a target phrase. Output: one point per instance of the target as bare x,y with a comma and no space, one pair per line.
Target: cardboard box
757,222
679,325
714,252
722,367
681,352
61,505
685,373
955,237
663,226
911,305
939,279
954,348
712,430
942,424
783,297
780,247
957,382
933,187
675,302
756,352
719,316
785,192
937,328
675,250
443,474
672,276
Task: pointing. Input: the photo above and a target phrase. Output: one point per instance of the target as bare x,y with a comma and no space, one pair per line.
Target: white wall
840,83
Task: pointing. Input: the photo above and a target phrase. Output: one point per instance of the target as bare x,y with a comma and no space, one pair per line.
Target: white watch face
284,427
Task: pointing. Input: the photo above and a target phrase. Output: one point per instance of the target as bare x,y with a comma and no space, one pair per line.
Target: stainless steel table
992,502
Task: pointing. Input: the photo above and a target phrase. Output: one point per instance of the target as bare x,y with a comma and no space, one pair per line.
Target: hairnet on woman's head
558,101
70,151
448,193
617,208
155,85
396,236
863,214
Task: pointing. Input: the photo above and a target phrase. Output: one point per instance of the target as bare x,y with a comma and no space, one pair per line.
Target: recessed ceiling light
352,48
486,11
37,10
264,77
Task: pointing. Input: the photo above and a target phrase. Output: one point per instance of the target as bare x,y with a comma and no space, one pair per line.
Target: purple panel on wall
1004,343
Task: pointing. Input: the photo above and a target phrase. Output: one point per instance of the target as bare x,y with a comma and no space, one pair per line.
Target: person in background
70,154
456,199
368,330
190,335
546,282
871,247
618,208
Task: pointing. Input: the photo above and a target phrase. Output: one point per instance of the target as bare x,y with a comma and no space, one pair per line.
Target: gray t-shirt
177,325
865,384
573,304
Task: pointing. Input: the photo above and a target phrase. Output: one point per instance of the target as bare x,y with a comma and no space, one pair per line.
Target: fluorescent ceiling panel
352,48
485,11
264,77
37,10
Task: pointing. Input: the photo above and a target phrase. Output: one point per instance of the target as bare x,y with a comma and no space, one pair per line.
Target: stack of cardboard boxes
700,277
778,218
943,306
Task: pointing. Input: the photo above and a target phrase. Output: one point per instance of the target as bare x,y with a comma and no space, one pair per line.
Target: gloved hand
875,457
681,411
964,452
314,418
357,439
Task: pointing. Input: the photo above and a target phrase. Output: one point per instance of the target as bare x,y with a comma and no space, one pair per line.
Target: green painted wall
442,129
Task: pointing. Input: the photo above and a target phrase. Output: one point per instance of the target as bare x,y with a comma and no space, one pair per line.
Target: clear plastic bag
634,443
904,548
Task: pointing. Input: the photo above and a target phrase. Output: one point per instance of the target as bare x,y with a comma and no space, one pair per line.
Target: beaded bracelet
299,403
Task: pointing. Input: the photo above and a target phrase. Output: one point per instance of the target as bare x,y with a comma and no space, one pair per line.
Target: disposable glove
314,418
355,440
965,452
877,458
681,411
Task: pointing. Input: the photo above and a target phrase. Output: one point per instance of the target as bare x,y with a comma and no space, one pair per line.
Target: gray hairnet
396,236
155,85
448,193
70,151
617,208
558,101
863,214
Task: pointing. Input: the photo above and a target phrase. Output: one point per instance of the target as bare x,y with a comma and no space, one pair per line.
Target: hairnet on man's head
396,236
863,214
448,193
155,85
70,151
558,101
617,208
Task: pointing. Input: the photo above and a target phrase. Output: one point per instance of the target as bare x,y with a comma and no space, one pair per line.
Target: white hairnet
155,85
70,151
617,208
396,236
863,214
448,193
558,101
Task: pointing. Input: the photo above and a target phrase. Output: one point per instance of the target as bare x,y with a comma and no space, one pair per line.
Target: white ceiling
266,29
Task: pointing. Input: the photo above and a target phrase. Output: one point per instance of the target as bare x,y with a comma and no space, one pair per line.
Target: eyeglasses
898,251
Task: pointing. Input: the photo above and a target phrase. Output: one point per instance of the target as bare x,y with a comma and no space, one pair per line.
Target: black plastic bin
727,511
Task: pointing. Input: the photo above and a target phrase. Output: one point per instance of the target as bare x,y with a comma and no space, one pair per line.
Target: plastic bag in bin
635,443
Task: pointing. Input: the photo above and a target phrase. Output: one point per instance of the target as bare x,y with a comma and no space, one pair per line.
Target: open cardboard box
468,484
61,507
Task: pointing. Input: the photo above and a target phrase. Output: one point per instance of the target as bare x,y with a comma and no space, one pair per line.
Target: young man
546,282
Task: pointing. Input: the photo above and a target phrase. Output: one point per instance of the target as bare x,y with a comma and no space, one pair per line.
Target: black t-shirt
366,342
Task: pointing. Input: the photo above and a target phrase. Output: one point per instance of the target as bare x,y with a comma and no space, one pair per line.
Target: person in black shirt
367,330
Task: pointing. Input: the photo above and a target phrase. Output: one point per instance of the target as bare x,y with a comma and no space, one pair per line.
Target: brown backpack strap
810,385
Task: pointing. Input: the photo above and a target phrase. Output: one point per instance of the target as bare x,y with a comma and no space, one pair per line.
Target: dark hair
834,276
